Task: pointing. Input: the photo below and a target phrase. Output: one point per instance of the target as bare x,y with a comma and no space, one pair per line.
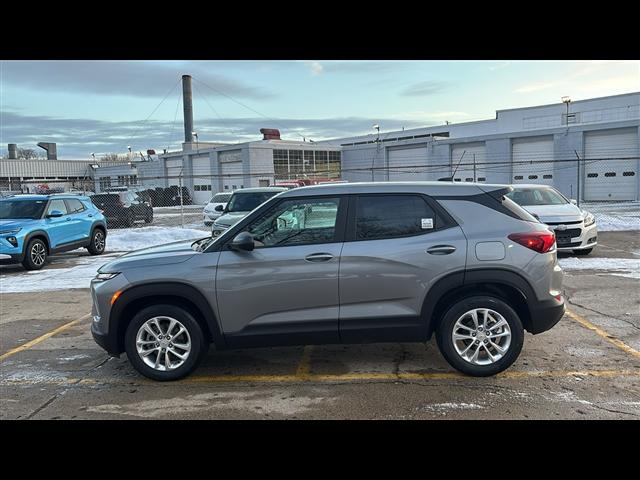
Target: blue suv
32,227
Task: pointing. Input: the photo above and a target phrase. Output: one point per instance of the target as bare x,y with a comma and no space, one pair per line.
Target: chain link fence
607,186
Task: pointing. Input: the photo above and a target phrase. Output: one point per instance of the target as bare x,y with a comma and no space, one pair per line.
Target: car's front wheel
480,336
35,255
164,342
98,242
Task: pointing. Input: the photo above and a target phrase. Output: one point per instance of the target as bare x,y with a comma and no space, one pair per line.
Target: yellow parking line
607,336
42,338
304,367
347,377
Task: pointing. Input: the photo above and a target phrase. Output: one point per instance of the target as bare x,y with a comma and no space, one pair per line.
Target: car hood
10,223
567,212
230,218
170,253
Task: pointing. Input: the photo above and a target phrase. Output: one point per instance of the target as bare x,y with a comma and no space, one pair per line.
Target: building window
295,163
334,164
105,183
281,163
308,161
321,163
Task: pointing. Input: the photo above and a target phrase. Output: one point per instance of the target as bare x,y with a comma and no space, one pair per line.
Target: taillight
541,242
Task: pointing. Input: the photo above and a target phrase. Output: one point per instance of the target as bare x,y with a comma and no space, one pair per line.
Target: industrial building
588,149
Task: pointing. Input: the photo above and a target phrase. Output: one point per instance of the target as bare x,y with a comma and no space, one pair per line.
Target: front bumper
10,258
572,239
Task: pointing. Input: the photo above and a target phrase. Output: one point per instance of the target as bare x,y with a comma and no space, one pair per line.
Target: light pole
375,127
195,134
566,101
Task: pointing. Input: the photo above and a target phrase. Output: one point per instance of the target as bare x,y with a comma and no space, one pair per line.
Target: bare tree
27,153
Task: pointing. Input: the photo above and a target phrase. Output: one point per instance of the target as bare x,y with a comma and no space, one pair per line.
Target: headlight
589,219
10,230
106,276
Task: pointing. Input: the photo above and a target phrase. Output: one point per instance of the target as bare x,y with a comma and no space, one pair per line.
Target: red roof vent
270,133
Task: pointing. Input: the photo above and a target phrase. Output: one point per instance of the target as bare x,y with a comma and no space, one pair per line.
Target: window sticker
427,223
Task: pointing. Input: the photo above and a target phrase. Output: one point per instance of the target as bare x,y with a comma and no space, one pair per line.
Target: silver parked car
214,207
349,263
575,229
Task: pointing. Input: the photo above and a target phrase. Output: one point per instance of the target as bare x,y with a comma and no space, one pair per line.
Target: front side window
390,216
57,205
297,222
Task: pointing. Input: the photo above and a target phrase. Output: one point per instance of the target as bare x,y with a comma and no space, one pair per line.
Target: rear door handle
318,257
90,215
441,249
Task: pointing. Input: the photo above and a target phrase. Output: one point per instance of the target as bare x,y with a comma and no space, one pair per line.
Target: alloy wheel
163,343
481,336
38,254
98,241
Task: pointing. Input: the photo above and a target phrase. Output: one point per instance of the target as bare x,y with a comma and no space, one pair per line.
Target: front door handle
90,215
68,219
318,257
441,249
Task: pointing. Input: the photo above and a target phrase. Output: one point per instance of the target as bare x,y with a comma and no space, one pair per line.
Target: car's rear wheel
164,342
129,219
35,255
586,251
98,242
148,218
480,336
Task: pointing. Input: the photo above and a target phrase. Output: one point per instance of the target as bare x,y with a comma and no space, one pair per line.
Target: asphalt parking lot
587,367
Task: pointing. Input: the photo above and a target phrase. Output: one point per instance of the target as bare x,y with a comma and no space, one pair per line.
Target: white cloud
316,68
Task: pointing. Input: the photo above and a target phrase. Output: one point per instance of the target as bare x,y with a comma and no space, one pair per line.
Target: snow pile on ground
127,239
623,267
50,278
615,216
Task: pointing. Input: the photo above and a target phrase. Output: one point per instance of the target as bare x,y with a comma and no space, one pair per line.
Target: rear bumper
545,314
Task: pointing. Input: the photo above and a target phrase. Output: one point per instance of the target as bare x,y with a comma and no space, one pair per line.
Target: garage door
174,169
232,176
201,180
533,160
607,175
468,162
406,164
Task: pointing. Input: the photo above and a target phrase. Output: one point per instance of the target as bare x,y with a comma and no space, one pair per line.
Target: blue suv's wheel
97,243
35,255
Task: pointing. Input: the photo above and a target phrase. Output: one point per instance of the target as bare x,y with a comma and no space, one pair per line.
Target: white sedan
214,208
575,228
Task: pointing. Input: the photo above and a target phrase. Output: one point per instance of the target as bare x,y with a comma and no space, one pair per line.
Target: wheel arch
41,234
179,294
508,286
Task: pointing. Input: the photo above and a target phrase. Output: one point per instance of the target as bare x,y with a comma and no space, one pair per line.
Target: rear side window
74,206
390,216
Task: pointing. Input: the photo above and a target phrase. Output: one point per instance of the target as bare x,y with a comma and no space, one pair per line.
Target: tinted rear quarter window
390,216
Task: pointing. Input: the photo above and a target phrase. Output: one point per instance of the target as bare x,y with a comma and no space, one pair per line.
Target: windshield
220,198
536,196
21,209
245,202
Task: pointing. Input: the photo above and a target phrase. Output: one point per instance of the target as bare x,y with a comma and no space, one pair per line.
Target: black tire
148,218
445,330
129,219
199,346
31,260
98,242
586,251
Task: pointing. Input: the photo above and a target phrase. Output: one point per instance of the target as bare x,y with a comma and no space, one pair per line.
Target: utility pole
578,175
474,168
376,127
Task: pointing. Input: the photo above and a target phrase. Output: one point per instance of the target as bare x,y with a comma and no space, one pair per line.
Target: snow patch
615,216
127,239
623,267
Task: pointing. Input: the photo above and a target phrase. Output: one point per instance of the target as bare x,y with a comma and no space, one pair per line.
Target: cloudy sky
104,106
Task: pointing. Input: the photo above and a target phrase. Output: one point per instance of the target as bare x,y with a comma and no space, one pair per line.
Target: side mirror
574,201
243,241
55,214
219,208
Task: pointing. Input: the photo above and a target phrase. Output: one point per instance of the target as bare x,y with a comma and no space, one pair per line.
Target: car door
57,227
398,246
80,224
286,289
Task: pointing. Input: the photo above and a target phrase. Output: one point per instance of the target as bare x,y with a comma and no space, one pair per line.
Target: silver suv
346,263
